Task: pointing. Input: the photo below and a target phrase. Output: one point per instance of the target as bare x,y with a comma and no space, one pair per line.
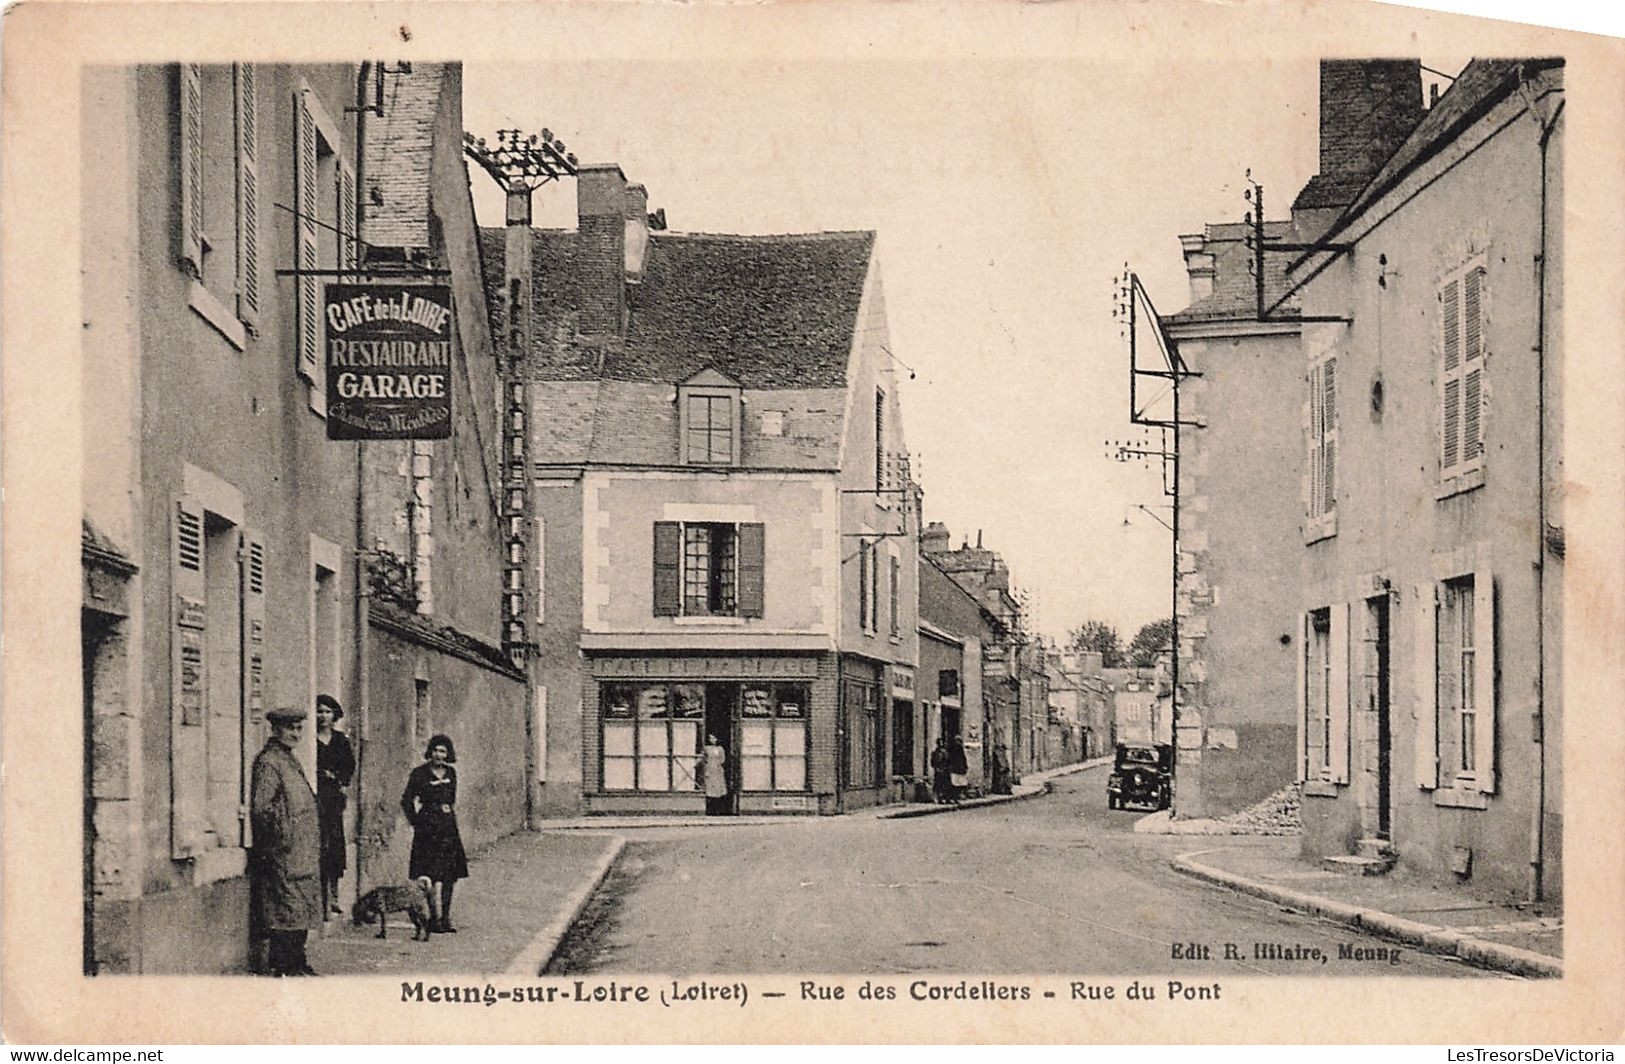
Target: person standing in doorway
958,768
714,767
940,788
335,767
285,864
430,805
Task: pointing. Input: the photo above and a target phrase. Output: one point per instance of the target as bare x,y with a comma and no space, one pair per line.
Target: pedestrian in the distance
430,804
940,786
958,768
1001,770
335,767
714,767
285,864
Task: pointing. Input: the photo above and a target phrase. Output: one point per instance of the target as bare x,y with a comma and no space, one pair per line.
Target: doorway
719,722
1378,688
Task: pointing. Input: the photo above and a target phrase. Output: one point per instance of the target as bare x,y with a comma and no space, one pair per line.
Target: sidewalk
1401,905
522,894
1031,785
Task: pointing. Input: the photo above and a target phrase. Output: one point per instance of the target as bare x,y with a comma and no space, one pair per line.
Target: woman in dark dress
335,767
430,804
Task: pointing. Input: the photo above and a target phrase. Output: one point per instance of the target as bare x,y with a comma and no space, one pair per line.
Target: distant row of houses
1369,584
675,502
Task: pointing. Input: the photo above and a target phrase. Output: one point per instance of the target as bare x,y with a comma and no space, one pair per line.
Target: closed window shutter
190,90
189,686
863,585
668,559
1317,462
349,244
1303,696
1425,707
896,577
752,565
248,194
1484,680
253,664
1472,416
1339,694
1328,446
305,200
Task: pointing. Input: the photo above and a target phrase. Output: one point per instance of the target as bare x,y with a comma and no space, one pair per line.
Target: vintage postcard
811,522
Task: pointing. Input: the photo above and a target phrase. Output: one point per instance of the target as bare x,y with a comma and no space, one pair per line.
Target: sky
1006,197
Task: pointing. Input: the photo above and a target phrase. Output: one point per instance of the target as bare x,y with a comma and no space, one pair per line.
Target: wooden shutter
863,584
1450,417
253,665
305,200
1328,437
1338,696
349,244
189,684
189,87
1303,696
248,194
1425,707
752,566
1485,700
895,579
1472,388
668,568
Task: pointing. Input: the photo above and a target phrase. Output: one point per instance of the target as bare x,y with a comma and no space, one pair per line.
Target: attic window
708,420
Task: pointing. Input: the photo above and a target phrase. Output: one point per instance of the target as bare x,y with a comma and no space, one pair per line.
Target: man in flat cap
286,863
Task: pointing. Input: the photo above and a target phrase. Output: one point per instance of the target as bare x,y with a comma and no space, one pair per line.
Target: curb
538,954
1433,939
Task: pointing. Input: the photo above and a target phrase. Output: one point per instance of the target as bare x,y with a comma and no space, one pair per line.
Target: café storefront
648,720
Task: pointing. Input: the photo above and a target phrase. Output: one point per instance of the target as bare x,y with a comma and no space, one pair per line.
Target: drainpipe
363,590
1537,827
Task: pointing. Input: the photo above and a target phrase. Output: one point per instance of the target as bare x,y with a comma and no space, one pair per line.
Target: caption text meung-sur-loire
679,992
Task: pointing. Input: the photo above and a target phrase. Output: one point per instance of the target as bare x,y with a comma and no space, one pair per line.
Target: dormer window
708,419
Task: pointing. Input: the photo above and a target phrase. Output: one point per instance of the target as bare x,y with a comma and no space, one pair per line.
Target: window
710,560
1323,437
651,736
217,675
710,429
1462,354
773,737
324,194
902,739
1457,675
709,569
218,115
1323,695
896,576
868,585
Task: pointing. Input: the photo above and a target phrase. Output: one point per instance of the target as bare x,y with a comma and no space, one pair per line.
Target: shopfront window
652,736
773,737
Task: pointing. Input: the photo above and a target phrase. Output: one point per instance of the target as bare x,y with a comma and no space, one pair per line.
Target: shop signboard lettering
388,349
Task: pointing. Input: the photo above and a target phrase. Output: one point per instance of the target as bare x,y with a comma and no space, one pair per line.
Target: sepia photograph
731,512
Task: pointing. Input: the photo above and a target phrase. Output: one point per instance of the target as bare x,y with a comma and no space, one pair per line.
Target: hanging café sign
388,361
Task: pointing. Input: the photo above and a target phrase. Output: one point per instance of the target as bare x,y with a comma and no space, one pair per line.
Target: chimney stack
934,540
1367,109
637,230
601,204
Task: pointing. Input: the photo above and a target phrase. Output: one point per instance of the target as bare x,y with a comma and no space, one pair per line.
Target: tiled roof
1477,88
769,311
1234,296
399,154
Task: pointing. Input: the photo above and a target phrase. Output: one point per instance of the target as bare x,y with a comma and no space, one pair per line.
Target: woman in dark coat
335,766
430,804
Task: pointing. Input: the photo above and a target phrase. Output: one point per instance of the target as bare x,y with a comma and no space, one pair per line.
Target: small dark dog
411,898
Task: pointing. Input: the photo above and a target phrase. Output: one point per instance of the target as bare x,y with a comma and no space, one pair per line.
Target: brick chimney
637,230
1367,109
1198,264
934,540
601,196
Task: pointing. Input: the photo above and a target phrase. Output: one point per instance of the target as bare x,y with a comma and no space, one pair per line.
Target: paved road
1056,884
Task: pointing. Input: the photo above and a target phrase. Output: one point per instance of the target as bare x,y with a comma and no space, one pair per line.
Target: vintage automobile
1142,775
